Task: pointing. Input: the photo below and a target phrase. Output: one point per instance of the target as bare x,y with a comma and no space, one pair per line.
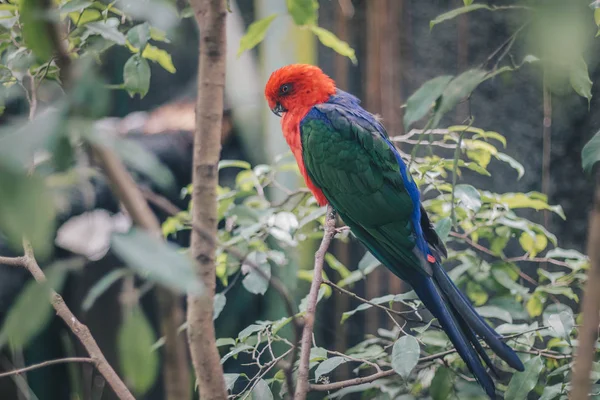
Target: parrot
349,162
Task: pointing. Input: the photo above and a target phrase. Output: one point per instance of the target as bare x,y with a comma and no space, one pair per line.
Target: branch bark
588,334
302,386
80,330
47,364
211,17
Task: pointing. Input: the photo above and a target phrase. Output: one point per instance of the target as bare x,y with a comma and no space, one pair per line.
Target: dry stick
302,385
47,364
588,334
80,330
176,371
211,16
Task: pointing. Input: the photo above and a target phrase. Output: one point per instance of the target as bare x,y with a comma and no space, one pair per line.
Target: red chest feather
290,124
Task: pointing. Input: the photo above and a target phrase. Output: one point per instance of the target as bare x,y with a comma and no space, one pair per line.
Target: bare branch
80,330
12,261
47,364
211,16
302,386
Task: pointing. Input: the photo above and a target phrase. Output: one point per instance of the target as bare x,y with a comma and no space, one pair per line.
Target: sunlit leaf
476,293
535,305
523,382
512,162
328,39
405,355
255,34
423,100
303,12
162,57
533,245
336,265
157,260
108,30
138,361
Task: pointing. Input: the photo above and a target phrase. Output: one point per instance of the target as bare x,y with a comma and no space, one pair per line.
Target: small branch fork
302,386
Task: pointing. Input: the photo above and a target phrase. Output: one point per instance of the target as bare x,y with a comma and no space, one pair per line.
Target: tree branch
302,386
80,330
47,364
12,261
588,334
211,17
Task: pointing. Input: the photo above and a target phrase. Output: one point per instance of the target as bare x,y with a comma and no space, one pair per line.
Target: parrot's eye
285,89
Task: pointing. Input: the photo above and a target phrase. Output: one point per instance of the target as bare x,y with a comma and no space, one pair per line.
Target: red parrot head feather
298,87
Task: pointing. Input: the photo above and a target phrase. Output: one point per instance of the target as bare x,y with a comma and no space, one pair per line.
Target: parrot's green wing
348,158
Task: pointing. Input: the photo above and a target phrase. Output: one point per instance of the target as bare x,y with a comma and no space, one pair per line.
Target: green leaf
137,158
405,355
336,265
159,13
443,228
329,365
476,293
108,30
157,260
75,5
255,34
591,153
26,209
136,76
468,196
529,200
456,12
565,254
535,305
160,56
218,305
523,382
32,309
102,286
441,385
262,391
35,27
458,89
234,164
254,282
580,79
552,392
139,363
303,12
230,380
421,101
328,39
562,324
531,245
139,35
467,2
495,312
512,162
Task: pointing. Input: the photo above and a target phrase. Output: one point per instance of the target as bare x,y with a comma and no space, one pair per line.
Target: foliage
482,229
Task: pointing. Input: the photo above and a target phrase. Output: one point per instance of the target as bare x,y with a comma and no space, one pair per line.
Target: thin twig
302,386
12,261
47,364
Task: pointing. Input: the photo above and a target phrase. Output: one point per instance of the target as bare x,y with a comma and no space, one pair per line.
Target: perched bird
349,162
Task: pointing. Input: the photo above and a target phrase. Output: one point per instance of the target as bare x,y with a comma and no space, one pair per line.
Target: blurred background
396,53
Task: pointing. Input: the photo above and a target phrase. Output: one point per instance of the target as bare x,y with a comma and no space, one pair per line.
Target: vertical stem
588,333
211,18
302,385
546,147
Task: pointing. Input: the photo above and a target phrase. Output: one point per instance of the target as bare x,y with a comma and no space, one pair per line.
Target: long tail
462,324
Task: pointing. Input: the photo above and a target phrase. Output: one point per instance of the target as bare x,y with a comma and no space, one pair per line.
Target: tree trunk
211,17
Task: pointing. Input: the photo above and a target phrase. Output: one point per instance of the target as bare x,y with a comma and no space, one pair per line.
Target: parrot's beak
278,109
